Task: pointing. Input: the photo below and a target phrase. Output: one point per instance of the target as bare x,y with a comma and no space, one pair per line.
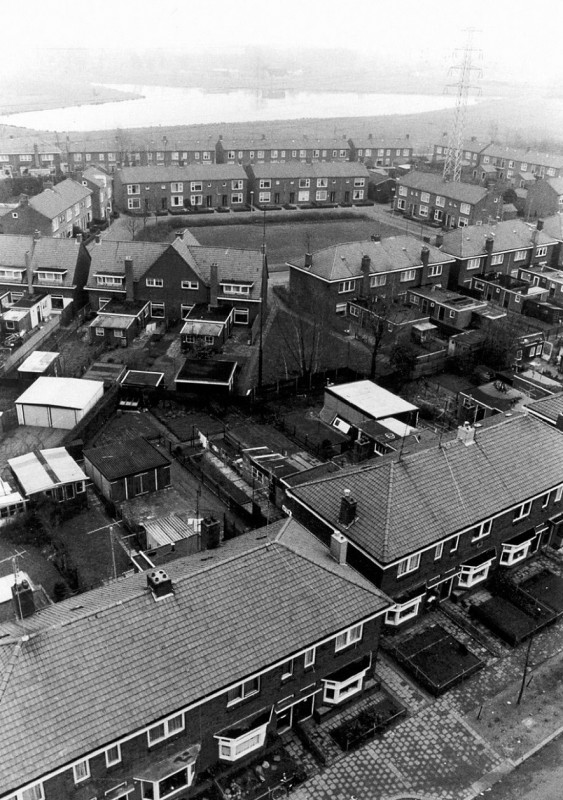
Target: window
336,691
274,154
348,638
177,200
81,771
34,792
133,188
206,155
454,544
423,211
196,186
358,194
408,275
440,201
435,270
235,288
473,263
243,691
287,670
265,184
465,208
133,204
196,200
322,183
309,657
155,282
190,285
401,612
520,255
110,280
304,183
438,551
480,531
359,182
157,310
241,316
541,251
522,511
452,314
470,575
403,191
378,280
236,198
231,749
236,186
50,277
513,553
407,565
322,194
346,286
438,215
401,204
166,729
113,755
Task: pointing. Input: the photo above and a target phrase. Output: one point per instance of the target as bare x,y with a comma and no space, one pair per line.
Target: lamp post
251,201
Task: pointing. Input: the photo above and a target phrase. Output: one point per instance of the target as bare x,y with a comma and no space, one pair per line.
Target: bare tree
380,318
131,225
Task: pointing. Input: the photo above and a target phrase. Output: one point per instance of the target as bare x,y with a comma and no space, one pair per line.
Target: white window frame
196,186
246,689
265,183
522,511
191,285
357,194
403,191
321,194
236,199
464,208
377,280
264,197
343,689
346,286
241,316
438,215
434,270
177,188
440,201
514,553
169,729
287,669
541,251
309,657
424,197
157,283
408,565
348,637
304,183
481,531
236,186
322,183
110,762
423,211
497,258
401,204
233,749
473,263
438,551
31,793
158,306
133,188
402,612
407,275
359,182
472,575
81,771
133,204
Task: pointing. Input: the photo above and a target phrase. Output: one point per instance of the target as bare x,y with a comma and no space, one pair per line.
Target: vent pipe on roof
339,547
466,434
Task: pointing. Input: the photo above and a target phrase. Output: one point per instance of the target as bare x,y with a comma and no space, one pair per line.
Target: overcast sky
515,37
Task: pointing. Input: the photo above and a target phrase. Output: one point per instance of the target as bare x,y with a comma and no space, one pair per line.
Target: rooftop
193,172
52,202
101,650
61,392
431,182
44,469
321,169
371,399
119,460
511,235
547,408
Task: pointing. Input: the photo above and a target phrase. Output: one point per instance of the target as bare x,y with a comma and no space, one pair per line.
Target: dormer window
110,280
44,276
236,288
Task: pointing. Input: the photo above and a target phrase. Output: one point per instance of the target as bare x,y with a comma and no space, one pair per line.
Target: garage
58,402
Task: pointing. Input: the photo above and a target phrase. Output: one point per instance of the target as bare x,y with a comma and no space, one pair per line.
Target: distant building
60,212
19,157
545,197
101,186
300,184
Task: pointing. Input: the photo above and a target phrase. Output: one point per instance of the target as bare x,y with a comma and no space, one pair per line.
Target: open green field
287,241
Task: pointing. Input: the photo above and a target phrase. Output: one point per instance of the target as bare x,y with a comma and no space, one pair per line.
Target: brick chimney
489,243
439,239
22,596
424,256
97,238
540,225
213,285
466,434
36,236
129,287
29,273
366,266
210,533
78,238
159,583
339,547
347,508
308,260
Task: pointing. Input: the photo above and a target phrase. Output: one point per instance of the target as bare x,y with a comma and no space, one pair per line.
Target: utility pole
464,70
525,672
263,298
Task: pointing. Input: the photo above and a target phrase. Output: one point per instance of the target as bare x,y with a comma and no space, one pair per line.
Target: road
538,778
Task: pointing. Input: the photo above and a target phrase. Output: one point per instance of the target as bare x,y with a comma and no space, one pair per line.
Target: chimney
347,508
375,237
338,547
129,289
97,238
540,225
210,533
159,583
29,273
213,285
466,434
308,260
424,256
179,235
22,596
78,238
559,422
407,136
36,155
24,200
36,236
489,243
370,136
366,265
439,239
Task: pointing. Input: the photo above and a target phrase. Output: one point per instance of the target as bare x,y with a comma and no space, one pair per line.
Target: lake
164,105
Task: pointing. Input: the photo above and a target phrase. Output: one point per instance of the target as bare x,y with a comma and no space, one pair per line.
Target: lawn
286,240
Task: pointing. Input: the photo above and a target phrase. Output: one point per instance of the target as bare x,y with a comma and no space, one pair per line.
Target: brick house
511,163
545,197
173,278
380,152
59,212
280,150
101,186
28,157
443,519
426,197
502,248
140,149
451,309
57,266
170,631
331,278
146,190
298,183
470,152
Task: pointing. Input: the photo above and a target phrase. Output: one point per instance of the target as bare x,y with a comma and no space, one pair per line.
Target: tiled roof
372,144
556,184
300,143
391,253
232,264
194,172
109,257
116,461
116,648
549,407
431,182
13,249
321,169
61,253
553,226
54,201
410,503
511,235
521,154
17,147
97,176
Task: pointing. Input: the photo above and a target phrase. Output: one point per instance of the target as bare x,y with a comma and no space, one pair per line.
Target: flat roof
44,469
371,399
137,377
105,371
113,323
6,583
38,361
61,392
196,371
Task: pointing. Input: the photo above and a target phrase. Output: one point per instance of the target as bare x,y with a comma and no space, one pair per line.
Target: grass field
286,241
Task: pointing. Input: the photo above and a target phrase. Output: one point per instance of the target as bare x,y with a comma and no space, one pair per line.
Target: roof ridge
388,507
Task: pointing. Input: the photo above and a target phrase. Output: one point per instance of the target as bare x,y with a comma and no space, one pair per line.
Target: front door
304,709
292,197
284,719
224,200
209,201
445,589
346,197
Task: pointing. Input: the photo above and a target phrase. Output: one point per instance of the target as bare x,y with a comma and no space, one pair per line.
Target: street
538,778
